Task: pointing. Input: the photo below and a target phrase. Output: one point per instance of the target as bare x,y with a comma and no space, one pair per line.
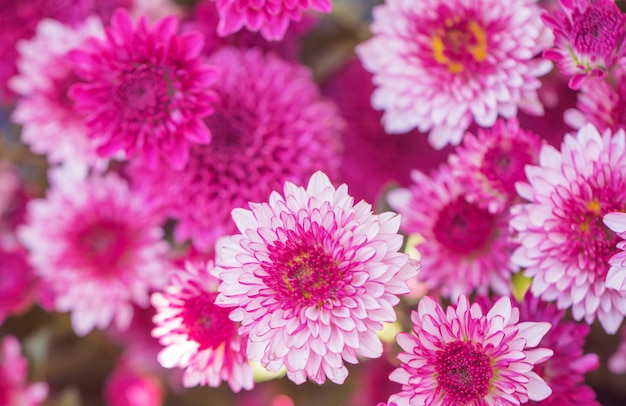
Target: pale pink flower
617,361
565,246
491,162
270,126
466,248
197,334
311,278
465,357
439,65
270,17
50,124
14,387
145,90
97,246
588,38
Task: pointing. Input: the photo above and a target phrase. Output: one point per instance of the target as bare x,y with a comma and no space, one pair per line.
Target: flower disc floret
311,277
465,357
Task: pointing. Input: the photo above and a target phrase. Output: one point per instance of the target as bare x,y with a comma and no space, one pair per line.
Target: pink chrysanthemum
616,276
197,334
14,389
371,159
565,371
588,38
440,64
98,247
127,387
50,123
491,162
466,247
465,357
270,126
147,90
565,246
311,278
270,17
601,104
17,282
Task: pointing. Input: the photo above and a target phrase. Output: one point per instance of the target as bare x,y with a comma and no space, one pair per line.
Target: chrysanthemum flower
466,248
97,246
311,278
465,357
440,64
146,90
565,371
565,246
17,281
600,103
616,277
492,161
270,17
14,389
50,123
197,334
588,38
270,126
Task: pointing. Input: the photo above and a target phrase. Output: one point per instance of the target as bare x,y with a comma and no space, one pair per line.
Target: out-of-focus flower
270,126
491,162
14,388
126,387
197,334
588,38
465,357
373,160
13,198
374,383
439,65
97,246
565,246
17,282
311,278
466,248
145,90
617,361
270,17
50,123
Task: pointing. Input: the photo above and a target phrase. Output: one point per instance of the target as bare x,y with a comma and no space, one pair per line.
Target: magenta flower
97,246
197,334
616,276
466,247
270,17
146,91
311,278
17,282
491,162
14,388
51,125
270,126
127,387
439,65
565,246
465,357
588,38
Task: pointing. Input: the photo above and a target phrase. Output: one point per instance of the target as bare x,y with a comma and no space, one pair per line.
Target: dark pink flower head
565,246
270,126
50,123
465,357
373,160
17,282
491,162
127,387
588,38
197,334
145,90
312,277
270,17
440,65
466,248
14,388
97,246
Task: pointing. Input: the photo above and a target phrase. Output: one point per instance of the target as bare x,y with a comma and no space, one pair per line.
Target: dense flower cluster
384,202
